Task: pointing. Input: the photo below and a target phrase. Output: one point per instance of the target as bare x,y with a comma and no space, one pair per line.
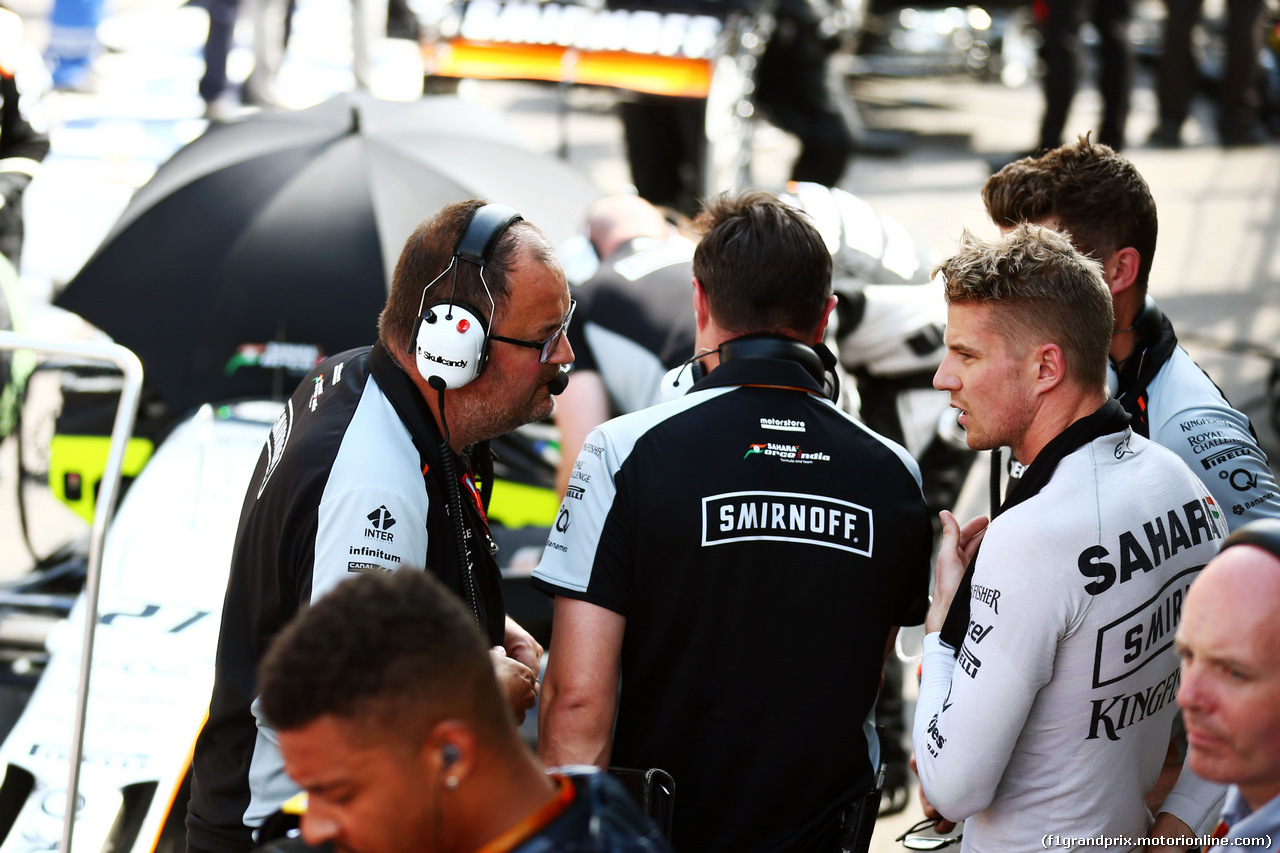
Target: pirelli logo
1210,462
786,517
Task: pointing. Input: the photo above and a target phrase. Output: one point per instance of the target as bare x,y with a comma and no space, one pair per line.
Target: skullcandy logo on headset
457,347
439,359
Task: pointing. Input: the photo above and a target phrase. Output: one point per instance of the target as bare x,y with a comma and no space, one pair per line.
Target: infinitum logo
380,523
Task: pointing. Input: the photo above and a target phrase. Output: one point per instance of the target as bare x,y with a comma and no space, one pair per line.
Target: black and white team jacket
635,319
1178,406
351,480
761,544
1175,404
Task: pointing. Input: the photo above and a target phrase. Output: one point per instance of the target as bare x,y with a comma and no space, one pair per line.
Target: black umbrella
267,240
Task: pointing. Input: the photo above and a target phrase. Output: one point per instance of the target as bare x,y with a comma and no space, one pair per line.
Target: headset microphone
556,386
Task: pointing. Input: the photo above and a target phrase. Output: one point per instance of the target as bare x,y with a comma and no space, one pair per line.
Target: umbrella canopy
267,240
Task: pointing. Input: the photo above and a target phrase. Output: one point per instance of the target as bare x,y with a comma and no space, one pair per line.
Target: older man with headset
380,459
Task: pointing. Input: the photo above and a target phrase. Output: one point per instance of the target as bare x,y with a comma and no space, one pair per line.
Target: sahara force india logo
786,517
786,452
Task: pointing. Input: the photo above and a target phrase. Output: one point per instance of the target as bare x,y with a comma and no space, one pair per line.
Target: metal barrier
126,415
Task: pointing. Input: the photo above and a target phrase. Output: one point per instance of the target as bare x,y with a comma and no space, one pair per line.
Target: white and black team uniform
1175,404
352,479
761,544
1055,715
1178,406
634,320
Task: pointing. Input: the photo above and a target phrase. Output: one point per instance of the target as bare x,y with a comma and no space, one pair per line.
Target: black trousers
1178,75
1063,56
794,89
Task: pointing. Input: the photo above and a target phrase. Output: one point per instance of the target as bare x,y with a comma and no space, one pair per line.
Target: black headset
816,359
1262,533
775,346
451,347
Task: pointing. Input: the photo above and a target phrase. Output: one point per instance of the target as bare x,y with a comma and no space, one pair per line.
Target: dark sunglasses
548,346
920,837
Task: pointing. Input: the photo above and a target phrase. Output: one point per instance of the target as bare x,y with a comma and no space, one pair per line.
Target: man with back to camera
633,320
741,556
1099,199
634,324
403,741
1046,698
1229,641
361,469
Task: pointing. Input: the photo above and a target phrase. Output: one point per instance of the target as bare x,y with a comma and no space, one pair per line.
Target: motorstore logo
786,425
441,360
787,517
380,524
786,452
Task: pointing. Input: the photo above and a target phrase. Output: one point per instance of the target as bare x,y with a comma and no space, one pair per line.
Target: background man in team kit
634,320
741,556
1048,679
405,744
372,465
1229,641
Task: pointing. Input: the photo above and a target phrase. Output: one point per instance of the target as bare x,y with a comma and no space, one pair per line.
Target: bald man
635,320
1229,641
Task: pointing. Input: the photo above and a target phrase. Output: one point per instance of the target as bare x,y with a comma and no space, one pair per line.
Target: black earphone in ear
449,754
451,345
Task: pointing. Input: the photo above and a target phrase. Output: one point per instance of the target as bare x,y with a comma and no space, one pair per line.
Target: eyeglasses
547,347
916,839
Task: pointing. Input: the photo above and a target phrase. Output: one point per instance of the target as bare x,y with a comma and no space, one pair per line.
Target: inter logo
380,523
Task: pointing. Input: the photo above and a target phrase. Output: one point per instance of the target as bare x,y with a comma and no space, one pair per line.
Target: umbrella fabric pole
126,415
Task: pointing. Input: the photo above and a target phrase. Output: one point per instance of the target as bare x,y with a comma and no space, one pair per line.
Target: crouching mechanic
1049,676
742,557
404,743
372,465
